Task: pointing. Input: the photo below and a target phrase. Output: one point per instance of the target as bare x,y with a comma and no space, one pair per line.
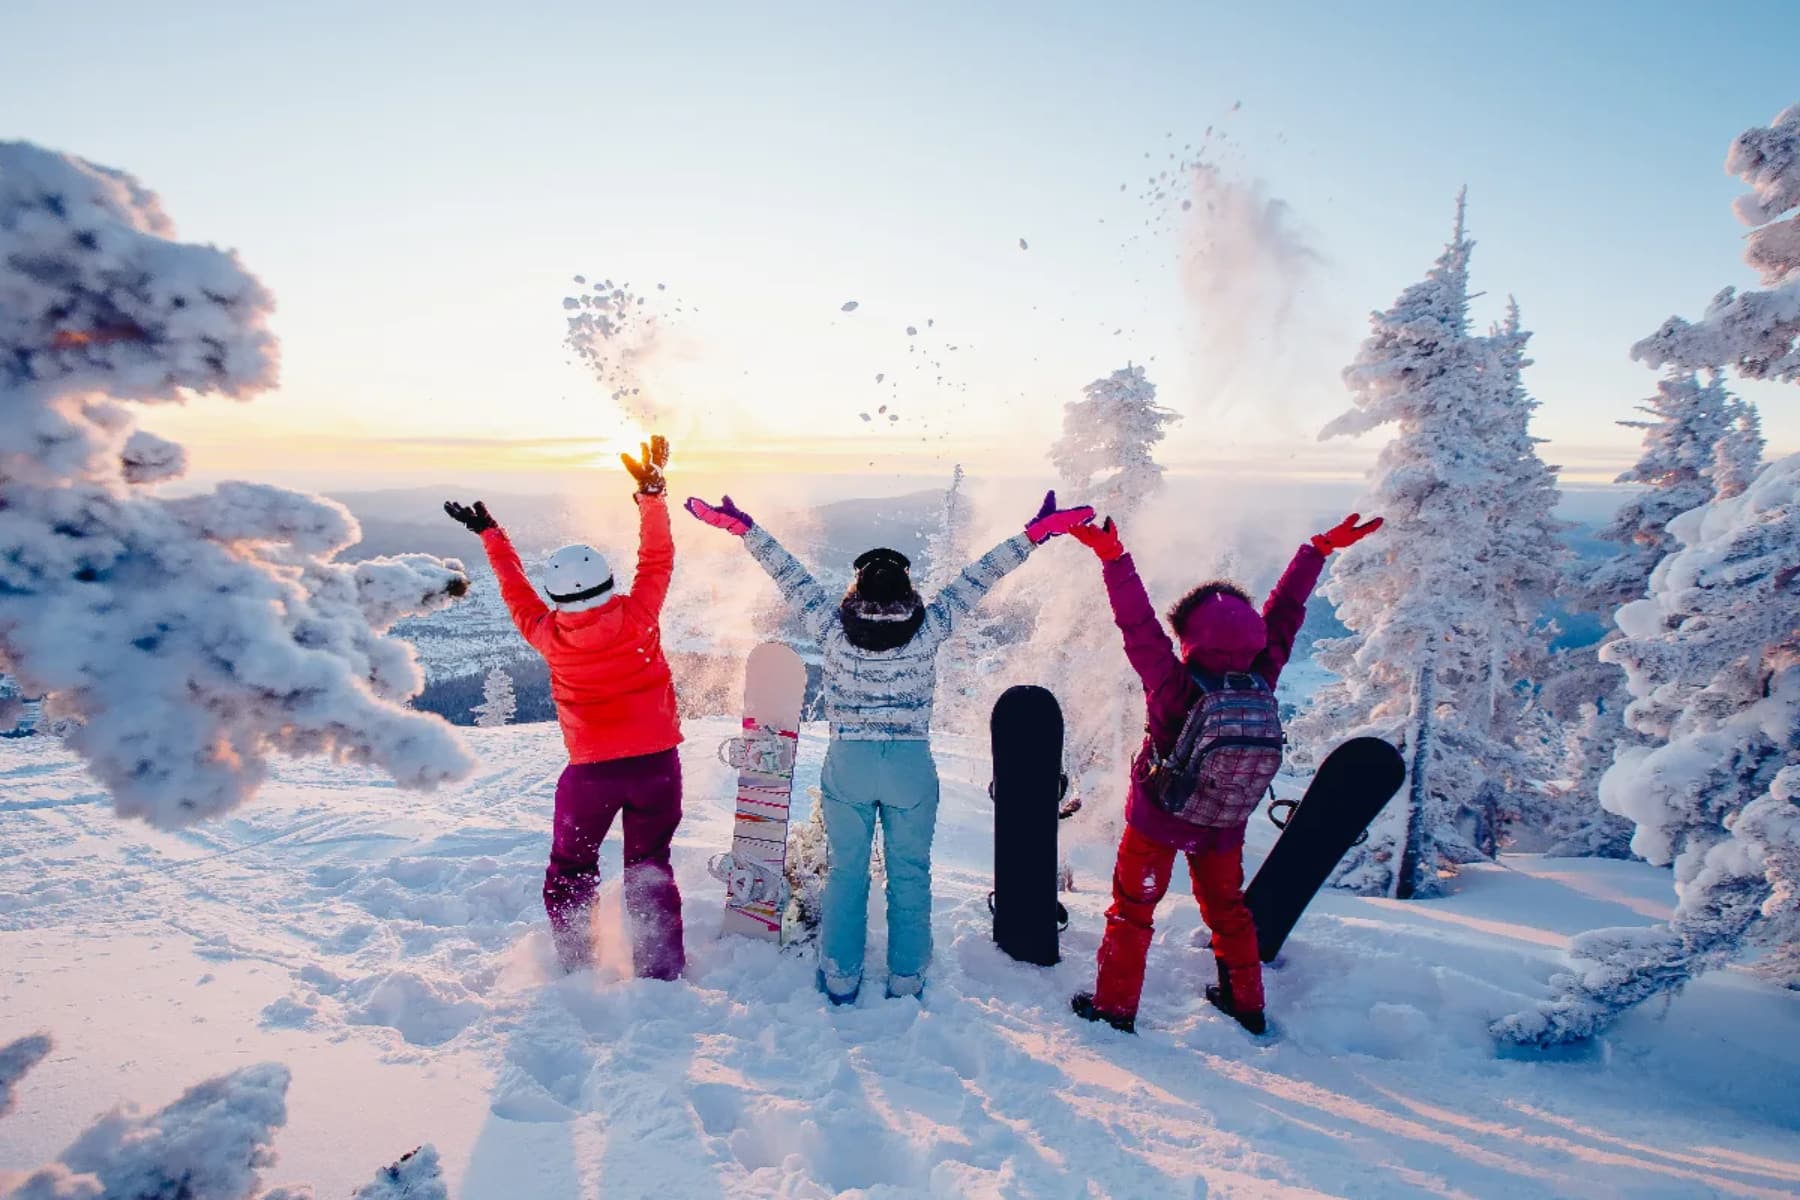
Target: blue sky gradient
418,183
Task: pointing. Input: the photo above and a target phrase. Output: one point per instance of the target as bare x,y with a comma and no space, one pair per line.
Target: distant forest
706,686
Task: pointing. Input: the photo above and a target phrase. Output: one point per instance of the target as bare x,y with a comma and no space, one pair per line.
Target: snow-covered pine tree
1687,418
190,638
1712,656
959,703
1429,598
1105,457
948,543
498,703
1529,559
1699,443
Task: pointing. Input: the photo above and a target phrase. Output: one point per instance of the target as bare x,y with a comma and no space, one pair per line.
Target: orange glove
1344,534
1103,540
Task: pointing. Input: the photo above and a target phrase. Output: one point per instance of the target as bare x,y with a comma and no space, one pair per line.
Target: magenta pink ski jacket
1169,691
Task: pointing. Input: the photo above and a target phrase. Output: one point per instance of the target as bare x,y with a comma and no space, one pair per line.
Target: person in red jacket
1222,638
615,701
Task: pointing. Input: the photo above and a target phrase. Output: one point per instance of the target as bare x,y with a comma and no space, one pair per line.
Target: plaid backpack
1225,757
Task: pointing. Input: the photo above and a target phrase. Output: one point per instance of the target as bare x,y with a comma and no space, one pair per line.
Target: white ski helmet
577,578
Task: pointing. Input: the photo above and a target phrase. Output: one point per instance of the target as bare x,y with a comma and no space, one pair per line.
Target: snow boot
1083,1005
1219,996
838,999
906,986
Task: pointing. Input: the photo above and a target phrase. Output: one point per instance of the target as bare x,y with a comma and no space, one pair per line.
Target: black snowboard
1027,790
1353,783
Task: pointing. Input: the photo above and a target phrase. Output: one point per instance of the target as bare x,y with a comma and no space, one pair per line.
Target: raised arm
802,592
656,546
656,552
529,611
964,593
1285,610
1148,646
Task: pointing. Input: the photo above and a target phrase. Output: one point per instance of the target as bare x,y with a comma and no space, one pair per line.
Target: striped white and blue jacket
882,695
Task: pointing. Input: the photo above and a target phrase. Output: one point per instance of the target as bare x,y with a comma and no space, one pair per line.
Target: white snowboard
755,887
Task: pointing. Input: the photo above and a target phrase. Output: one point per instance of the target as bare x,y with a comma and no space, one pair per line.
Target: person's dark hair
1184,607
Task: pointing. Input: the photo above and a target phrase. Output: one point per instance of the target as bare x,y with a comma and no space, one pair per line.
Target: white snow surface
389,948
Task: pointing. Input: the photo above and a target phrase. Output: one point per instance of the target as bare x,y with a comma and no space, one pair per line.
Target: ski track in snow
390,947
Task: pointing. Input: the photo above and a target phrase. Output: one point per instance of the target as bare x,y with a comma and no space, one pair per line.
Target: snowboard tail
1352,785
755,885
1027,732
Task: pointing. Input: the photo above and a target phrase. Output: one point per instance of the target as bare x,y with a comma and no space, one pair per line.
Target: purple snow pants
588,796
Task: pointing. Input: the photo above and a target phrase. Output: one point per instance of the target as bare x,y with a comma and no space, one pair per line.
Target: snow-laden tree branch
212,1143
189,639
16,1058
1757,332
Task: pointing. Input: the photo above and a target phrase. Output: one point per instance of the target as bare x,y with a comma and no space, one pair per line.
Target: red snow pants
1140,877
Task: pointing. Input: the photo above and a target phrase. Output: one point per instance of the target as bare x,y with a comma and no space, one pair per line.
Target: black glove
476,519
648,470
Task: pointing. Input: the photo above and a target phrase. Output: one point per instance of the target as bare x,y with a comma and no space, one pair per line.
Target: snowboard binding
1062,914
748,882
767,754
1281,822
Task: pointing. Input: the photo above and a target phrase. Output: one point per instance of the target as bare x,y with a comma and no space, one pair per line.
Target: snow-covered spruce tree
959,704
188,638
1529,558
948,542
1700,443
1687,418
1106,457
1712,656
1431,598
498,703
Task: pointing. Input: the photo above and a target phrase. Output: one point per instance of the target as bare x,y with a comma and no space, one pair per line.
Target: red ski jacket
614,695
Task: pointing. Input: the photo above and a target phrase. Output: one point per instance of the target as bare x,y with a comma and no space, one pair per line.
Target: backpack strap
1242,681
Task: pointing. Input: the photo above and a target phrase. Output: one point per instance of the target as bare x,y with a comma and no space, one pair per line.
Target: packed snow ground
389,947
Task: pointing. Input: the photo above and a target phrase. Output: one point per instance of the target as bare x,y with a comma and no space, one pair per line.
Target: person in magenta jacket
1219,632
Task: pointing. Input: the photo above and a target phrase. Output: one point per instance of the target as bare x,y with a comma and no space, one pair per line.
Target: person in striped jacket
880,643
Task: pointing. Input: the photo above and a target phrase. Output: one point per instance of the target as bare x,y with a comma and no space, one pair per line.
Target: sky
419,184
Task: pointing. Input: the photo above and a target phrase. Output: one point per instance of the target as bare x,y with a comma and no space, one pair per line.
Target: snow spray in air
616,331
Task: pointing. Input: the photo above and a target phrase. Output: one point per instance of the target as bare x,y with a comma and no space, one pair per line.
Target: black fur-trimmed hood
878,625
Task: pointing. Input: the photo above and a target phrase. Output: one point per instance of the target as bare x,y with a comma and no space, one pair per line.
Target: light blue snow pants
897,783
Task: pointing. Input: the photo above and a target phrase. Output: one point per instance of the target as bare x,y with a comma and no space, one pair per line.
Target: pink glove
1052,521
726,516
1344,534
